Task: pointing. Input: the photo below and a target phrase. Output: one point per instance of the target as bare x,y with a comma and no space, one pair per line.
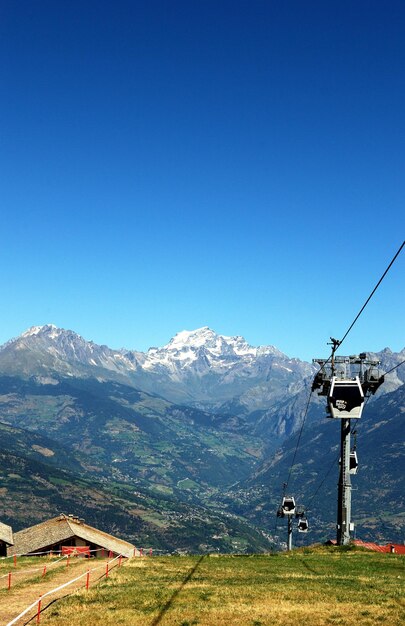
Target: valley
84,427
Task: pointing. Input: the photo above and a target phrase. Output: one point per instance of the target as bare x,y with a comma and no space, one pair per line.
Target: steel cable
285,485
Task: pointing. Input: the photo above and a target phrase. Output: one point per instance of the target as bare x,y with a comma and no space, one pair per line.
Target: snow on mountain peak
36,330
193,338
192,353
187,344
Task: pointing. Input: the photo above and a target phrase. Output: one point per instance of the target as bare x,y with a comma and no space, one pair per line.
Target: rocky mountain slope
39,479
185,422
378,495
195,368
124,433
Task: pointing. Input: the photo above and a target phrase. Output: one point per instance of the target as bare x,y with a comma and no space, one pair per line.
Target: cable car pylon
346,390
289,510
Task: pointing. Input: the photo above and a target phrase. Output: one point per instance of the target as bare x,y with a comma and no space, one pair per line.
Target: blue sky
171,165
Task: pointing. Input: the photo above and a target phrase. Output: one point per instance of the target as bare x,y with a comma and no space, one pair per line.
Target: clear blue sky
166,165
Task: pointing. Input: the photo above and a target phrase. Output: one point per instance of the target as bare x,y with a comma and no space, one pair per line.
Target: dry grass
28,582
326,587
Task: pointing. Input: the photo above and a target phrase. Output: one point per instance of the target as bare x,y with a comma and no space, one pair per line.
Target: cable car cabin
288,505
354,463
346,398
299,511
303,525
372,380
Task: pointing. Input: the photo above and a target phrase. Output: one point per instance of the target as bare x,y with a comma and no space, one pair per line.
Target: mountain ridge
199,368
209,413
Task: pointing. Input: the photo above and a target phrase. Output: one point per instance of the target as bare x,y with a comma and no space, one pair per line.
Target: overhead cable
332,465
339,343
371,294
392,369
299,439
354,430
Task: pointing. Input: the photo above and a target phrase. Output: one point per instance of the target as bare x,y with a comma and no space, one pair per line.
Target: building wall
80,542
3,548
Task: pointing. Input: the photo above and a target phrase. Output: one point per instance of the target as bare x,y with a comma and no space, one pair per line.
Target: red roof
395,548
370,546
399,548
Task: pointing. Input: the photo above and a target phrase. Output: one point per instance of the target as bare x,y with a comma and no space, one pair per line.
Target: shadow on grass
309,568
171,600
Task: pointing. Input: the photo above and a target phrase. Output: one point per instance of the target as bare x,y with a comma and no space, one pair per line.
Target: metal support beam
335,381
345,487
289,538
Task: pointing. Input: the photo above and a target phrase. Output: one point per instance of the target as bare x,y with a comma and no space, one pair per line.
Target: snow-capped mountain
47,350
56,385
222,373
199,368
196,367
214,351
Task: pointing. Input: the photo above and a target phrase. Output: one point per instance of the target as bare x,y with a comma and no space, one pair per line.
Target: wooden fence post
39,610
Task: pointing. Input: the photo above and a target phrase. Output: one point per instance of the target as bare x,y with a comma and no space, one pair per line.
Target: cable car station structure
346,381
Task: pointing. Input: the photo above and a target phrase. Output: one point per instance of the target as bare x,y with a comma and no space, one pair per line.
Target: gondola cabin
288,505
303,525
354,463
372,379
346,398
299,511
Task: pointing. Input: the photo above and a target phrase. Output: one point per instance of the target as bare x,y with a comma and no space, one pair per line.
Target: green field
313,587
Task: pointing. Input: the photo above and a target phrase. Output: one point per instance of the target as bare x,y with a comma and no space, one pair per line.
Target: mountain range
193,423
194,368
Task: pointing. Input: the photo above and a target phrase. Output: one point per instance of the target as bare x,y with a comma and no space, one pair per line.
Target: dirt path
27,590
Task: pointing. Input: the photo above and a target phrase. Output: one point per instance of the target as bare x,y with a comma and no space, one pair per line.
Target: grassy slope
149,497
318,587
130,434
125,437
378,496
28,582
32,491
